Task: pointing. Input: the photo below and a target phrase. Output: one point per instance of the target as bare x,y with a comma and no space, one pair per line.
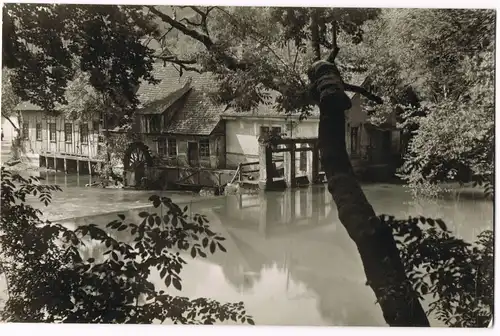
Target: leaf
250,321
212,247
143,214
193,252
222,248
205,242
441,224
163,272
431,221
177,283
168,280
121,216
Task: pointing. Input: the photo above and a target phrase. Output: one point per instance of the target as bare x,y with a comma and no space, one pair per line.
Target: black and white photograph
241,165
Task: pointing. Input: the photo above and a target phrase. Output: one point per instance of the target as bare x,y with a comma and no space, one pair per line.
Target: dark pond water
288,258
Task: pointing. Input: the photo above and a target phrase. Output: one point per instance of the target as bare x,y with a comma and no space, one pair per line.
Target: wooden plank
249,163
283,150
251,171
286,141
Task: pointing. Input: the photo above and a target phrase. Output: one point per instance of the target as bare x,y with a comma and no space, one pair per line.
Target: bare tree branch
315,34
190,22
364,92
232,63
335,49
203,38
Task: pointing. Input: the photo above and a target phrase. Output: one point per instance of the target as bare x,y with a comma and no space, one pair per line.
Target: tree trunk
376,245
315,34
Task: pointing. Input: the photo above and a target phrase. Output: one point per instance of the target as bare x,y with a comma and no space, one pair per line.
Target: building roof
27,106
198,115
161,105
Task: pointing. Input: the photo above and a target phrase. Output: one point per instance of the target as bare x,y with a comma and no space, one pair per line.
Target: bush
49,279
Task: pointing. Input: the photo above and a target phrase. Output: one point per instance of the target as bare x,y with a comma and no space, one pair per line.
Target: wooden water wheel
137,156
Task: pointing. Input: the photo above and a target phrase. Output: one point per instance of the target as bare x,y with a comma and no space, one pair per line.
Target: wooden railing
236,174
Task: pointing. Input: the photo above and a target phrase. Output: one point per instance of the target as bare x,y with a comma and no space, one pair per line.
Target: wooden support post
90,167
265,155
65,166
315,165
78,166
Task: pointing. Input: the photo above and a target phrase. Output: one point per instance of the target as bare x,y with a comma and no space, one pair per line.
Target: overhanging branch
364,92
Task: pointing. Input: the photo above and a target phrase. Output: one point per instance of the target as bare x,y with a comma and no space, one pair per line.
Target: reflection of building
274,213
297,233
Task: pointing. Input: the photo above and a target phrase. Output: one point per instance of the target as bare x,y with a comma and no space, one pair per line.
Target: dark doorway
193,154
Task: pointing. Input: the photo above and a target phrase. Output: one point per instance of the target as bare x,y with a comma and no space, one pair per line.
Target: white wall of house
242,132
242,135
41,143
9,132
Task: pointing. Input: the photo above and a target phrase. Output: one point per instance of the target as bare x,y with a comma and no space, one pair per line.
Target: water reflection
290,259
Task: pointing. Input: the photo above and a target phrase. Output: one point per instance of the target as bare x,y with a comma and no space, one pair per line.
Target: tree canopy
437,67
248,53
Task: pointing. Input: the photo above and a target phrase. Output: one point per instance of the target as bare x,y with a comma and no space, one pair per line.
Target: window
354,140
95,126
52,132
276,131
172,147
39,131
152,123
204,148
162,146
68,132
25,130
156,123
84,133
264,130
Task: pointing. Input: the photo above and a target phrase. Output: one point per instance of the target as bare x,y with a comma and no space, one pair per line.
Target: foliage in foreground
454,276
51,279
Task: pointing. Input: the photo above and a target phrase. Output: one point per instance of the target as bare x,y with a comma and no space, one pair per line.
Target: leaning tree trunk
376,245
382,263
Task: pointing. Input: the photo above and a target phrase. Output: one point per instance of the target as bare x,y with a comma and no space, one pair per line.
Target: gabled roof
170,81
161,105
198,116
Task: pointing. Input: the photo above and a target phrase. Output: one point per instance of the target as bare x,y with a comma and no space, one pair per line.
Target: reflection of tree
293,244
341,291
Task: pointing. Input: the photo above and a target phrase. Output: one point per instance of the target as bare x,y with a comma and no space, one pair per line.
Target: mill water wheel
136,159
